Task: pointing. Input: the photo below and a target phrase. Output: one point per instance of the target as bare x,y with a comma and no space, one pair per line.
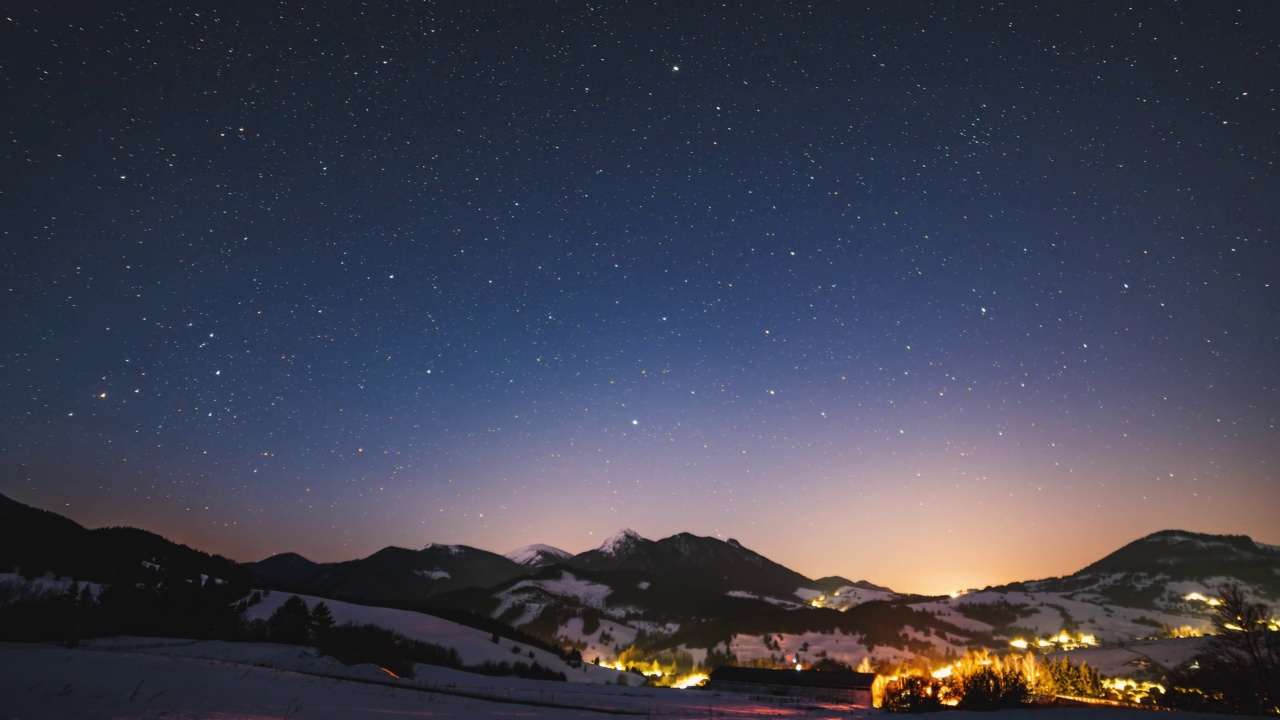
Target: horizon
803,566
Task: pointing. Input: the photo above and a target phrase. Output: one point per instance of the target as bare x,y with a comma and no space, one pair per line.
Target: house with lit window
851,688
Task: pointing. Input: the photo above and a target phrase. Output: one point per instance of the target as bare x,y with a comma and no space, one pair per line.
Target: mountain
835,583
613,552
537,555
1159,570
401,575
38,541
701,593
621,543
290,569
670,579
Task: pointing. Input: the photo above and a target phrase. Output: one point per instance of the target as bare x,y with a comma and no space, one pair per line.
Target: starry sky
934,295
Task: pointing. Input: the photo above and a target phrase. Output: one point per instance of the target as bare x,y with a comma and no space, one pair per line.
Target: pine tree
321,621
289,623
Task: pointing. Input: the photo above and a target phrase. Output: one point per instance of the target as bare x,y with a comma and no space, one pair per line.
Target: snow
771,600
568,585
473,646
940,645
1126,661
185,679
451,549
619,542
436,574
153,678
845,597
531,554
1109,623
623,636
44,583
847,649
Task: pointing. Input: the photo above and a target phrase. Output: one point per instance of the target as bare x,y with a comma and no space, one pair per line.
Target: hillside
702,594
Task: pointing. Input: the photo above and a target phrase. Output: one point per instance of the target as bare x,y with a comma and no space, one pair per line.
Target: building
851,688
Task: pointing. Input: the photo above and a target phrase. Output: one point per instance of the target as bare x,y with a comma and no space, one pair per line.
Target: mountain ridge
698,592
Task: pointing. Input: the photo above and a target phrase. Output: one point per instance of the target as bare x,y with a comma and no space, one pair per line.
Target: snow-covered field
1109,623
473,646
137,678
1138,658
155,678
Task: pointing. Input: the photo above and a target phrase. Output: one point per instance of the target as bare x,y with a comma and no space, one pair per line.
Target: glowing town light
689,681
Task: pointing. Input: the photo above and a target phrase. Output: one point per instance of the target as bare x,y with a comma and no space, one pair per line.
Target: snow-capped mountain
621,543
537,555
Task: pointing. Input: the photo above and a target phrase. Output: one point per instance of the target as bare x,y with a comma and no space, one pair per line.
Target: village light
690,681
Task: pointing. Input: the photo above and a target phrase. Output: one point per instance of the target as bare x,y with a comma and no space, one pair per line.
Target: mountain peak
439,547
620,542
537,555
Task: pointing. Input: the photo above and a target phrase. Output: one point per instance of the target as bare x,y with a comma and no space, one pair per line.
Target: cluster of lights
1125,689
1133,690
1061,641
1273,624
823,602
654,672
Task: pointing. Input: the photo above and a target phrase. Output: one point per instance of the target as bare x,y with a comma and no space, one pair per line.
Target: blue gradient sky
934,297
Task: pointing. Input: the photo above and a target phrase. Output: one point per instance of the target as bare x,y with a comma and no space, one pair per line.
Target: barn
852,688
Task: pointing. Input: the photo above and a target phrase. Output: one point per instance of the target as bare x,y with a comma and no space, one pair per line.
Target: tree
1244,643
1063,677
913,694
289,623
321,620
1239,670
992,687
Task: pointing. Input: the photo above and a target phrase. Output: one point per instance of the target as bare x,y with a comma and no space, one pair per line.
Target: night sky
938,297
